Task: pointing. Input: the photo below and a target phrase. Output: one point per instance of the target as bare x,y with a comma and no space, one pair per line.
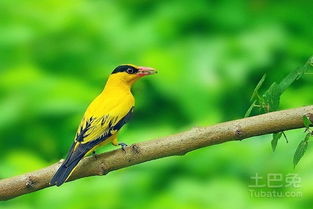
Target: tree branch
178,144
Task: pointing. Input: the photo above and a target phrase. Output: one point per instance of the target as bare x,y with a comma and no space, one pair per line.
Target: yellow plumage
114,102
103,118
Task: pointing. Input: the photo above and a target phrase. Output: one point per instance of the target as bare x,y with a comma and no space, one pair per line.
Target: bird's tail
67,167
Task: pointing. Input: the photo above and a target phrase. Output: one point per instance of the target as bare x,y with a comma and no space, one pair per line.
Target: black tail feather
63,173
65,170
76,153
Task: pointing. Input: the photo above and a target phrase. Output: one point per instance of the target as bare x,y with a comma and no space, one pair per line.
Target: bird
103,118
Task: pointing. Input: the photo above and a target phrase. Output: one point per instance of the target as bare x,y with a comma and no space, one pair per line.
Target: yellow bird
103,118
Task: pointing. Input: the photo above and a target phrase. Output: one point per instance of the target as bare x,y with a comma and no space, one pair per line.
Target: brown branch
178,144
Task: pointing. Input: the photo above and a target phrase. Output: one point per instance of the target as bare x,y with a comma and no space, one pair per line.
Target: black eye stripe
125,68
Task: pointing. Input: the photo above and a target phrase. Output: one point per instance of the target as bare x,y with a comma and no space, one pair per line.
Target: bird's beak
143,71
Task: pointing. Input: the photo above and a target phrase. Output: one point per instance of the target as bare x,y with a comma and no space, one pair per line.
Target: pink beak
143,71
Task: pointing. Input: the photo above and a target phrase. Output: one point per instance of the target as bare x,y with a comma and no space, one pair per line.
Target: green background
56,55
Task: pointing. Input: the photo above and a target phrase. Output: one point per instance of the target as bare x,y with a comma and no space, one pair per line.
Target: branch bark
178,144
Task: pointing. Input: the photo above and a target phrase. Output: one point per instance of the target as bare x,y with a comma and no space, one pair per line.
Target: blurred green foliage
56,55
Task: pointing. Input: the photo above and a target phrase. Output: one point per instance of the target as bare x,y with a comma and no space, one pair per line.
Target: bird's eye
130,71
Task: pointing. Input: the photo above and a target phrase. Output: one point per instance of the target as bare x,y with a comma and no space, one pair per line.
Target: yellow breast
115,100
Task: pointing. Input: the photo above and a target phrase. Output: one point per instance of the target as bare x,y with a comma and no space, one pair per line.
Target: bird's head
131,73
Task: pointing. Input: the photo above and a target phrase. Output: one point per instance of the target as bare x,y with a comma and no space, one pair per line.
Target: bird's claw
123,145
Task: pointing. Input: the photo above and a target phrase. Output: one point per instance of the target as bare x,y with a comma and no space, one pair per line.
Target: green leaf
247,114
285,137
290,78
294,75
276,137
307,122
255,91
310,61
272,98
307,137
308,65
272,95
302,147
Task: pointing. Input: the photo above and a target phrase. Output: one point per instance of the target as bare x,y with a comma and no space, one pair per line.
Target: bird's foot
94,154
123,145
